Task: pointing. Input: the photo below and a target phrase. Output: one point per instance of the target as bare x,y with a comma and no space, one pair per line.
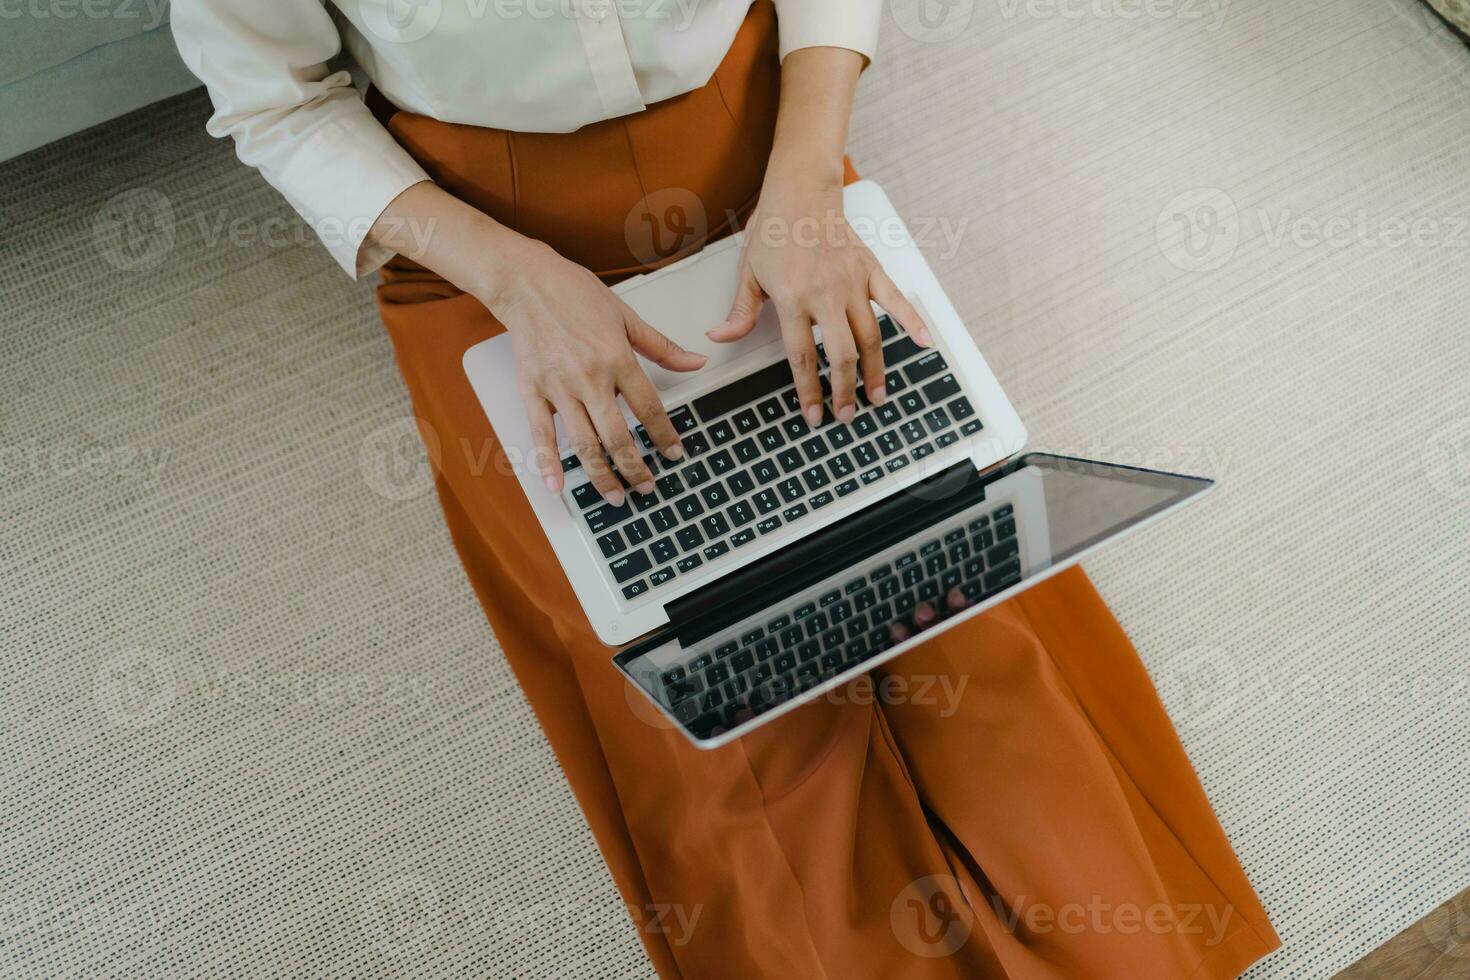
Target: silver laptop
775,561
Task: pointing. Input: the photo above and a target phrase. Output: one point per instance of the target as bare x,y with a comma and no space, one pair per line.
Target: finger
956,600
612,428
842,358
658,348
743,312
801,351
642,398
870,349
899,631
924,614
543,440
892,299
588,448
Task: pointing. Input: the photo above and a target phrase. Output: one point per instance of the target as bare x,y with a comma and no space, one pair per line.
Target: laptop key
689,563
795,427
715,495
638,532
941,388
821,500
910,402
927,366
630,566
586,495
864,425
689,507
816,478
897,463
873,474
946,439
919,452
611,544
790,460
889,443
635,590
766,470
770,410
793,512
791,489
846,487
961,408
606,516
696,475
936,419
669,486
765,502
894,382
1004,511
721,462
771,439
716,550
741,513
746,422
742,538
865,454
840,466
768,525
715,526
569,463
971,427
887,413
695,444
740,484
663,519
661,576
689,537
913,432
682,418
721,432
746,450
815,448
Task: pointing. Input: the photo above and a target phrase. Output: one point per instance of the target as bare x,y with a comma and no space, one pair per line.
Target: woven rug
255,725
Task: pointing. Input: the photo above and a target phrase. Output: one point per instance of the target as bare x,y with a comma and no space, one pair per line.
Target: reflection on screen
1015,524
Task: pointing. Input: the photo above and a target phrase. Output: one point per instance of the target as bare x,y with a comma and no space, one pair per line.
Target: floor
1435,948
254,716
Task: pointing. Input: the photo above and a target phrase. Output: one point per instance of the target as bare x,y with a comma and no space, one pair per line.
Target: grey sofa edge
106,82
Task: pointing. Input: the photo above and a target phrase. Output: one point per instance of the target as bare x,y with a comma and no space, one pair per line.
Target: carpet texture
254,723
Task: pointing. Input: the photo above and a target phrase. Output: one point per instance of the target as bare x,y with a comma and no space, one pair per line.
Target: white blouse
525,65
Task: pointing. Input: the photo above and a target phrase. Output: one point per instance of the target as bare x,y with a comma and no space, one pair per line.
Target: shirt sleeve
851,24
306,130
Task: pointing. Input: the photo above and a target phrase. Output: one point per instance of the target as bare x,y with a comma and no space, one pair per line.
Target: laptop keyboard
755,667
752,464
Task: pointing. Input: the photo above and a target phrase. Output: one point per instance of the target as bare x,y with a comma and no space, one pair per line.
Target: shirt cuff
341,178
851,24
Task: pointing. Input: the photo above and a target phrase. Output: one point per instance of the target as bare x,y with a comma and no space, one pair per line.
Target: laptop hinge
808,560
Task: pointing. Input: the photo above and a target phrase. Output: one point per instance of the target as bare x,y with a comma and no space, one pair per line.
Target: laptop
774,562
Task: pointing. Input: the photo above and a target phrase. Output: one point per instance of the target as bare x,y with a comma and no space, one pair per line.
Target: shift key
925,367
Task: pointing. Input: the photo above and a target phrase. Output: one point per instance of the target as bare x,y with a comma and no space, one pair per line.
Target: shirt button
597,9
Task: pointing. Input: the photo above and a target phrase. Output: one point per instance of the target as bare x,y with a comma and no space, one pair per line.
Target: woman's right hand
574,343
574,338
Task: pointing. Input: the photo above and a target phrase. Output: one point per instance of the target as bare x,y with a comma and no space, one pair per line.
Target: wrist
806,171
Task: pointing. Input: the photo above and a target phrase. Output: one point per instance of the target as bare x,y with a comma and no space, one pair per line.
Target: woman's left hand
801,252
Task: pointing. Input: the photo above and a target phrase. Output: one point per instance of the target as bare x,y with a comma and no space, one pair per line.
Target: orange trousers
1009,800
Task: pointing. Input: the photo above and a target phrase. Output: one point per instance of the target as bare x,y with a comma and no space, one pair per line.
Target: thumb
743,312
660,349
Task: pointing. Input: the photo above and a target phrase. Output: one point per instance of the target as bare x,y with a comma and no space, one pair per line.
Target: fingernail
553,483
923,613
645,488
814,415
845,413
615,497
925,339
675,451
878,395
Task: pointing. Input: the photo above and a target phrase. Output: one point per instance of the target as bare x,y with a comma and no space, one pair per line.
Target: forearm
817,86
464,245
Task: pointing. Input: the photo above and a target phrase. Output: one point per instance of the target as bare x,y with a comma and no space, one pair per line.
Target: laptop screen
862,591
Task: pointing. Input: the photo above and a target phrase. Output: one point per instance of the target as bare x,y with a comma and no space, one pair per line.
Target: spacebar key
746,391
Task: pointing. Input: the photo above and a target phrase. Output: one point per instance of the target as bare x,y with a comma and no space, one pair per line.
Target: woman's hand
802,253
574,345
574,338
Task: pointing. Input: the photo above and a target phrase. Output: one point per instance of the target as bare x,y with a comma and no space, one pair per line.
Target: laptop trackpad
692,297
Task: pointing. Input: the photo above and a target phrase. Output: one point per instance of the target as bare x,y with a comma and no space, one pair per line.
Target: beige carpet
255,725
